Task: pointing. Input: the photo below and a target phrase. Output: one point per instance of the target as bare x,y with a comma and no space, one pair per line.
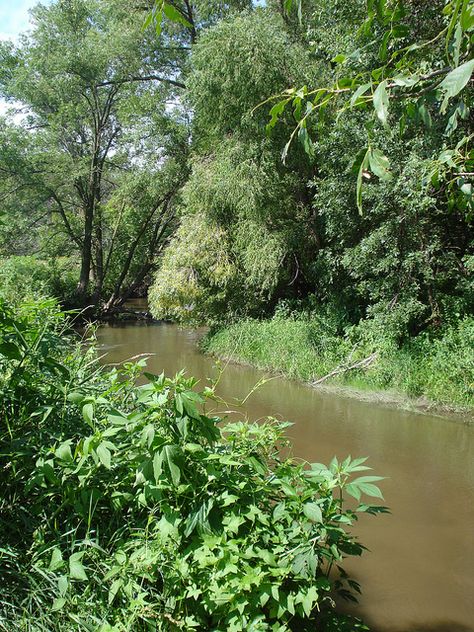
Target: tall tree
99,101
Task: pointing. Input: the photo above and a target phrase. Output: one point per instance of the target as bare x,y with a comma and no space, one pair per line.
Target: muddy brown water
419,573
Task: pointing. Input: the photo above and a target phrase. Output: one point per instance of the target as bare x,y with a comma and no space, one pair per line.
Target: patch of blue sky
14,17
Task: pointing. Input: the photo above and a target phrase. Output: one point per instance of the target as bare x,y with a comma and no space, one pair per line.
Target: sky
14,17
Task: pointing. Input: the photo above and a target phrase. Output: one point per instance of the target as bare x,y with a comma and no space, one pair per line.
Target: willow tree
99,103
358,93
255,209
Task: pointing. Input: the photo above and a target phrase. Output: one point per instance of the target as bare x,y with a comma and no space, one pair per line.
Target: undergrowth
133,507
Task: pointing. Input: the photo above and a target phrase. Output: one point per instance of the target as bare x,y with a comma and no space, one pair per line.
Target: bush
24,277
130,507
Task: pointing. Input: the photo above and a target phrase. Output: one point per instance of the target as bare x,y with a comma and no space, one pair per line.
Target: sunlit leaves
409,77
76,568
167,460
166,10
361,90
313,512
177,503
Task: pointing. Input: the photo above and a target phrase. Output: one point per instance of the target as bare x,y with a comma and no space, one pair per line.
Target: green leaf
190,406
368,479
284,153
63,585
359,92
362,168
381,102
379,164
353,491
158,18
56,560
88,413
455,81
174,15
467,17
370,490
64,452
406,81
170,456
309,600
58,604
116,585
276,112
104,455
148,20
313,512
198,519
75,398
178,402
289,490
257,465
306,141
76,569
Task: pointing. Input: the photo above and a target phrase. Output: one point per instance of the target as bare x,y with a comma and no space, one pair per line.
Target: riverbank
427,375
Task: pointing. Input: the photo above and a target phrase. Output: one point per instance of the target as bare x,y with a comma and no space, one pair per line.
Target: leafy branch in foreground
133,507
165,10
411,81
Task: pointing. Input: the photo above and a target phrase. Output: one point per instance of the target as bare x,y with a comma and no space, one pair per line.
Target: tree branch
119,82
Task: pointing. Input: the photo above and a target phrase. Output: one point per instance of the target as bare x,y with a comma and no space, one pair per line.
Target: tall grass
439,367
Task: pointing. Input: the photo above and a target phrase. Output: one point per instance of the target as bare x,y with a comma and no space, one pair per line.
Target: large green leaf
455,81
381,102
76,569
171,457
313,512
174,15
104,455
379,164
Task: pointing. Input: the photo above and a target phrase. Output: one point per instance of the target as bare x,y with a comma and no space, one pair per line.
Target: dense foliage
173,172
92,155
296,232
369,105
128,506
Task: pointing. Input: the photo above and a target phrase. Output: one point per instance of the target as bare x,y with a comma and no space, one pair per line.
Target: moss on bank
439,369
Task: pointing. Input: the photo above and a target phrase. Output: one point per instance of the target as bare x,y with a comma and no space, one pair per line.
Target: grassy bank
439,369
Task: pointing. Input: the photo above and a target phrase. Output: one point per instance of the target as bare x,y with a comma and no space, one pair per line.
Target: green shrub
29,277
130,507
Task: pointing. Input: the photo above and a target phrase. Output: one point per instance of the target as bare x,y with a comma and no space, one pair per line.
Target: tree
292,233
238,190
99,108
411,64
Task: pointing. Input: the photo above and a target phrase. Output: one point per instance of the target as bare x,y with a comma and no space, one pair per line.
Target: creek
418,575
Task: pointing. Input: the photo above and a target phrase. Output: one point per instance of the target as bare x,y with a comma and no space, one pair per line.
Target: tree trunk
86,255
